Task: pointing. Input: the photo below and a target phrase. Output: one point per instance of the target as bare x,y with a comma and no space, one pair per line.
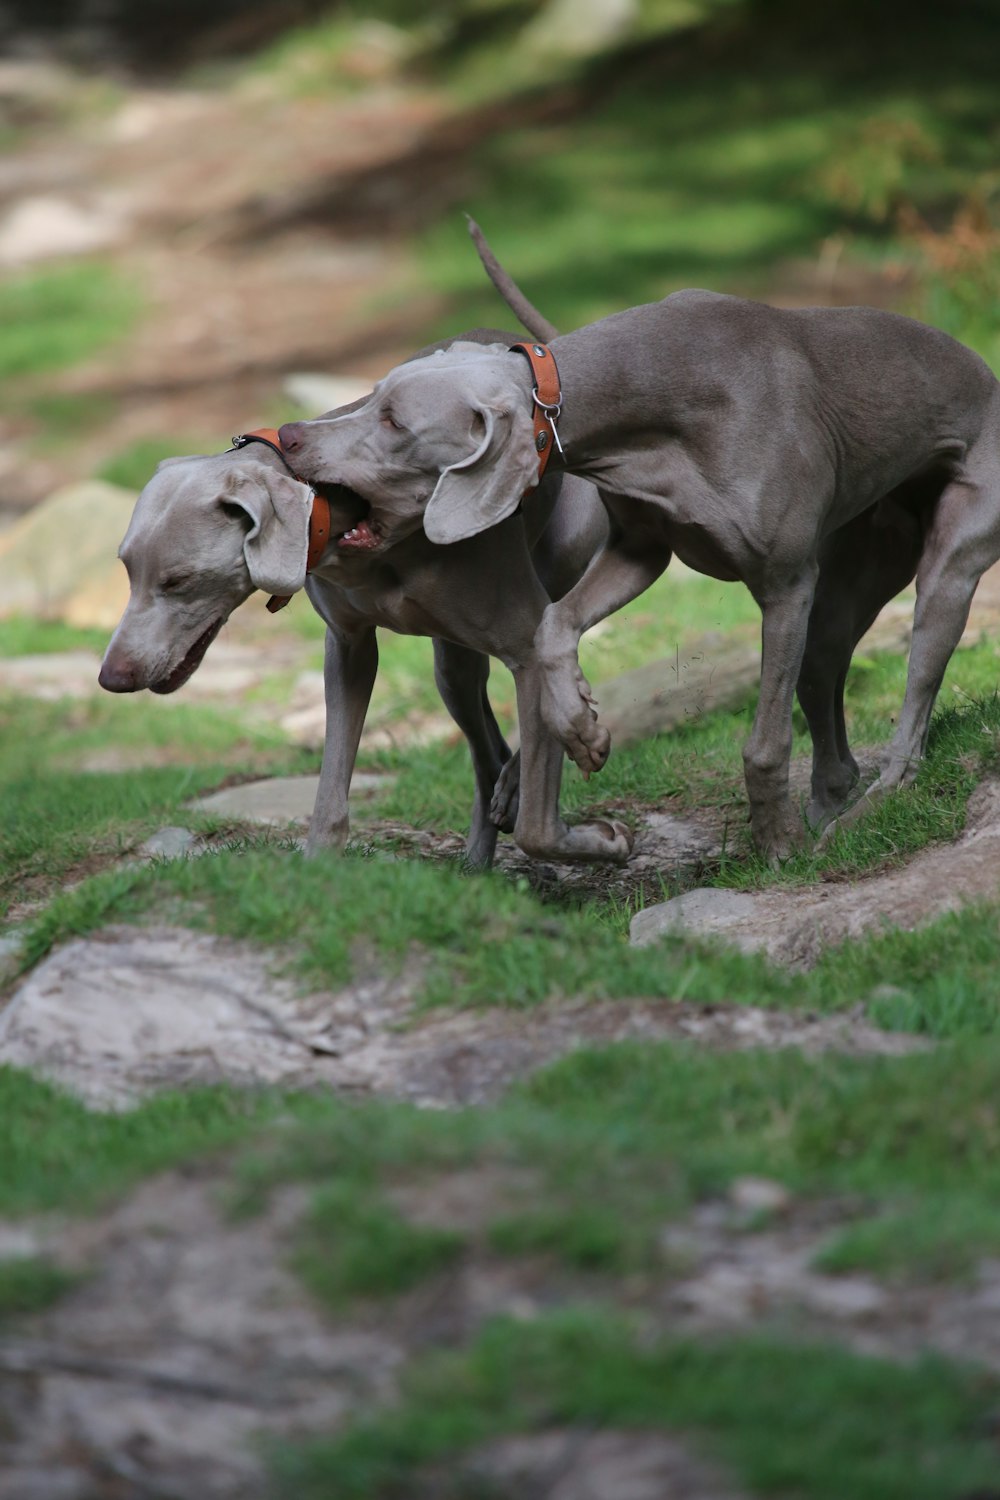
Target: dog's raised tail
523,310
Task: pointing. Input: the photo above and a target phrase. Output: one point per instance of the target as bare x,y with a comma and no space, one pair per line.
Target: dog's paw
858,811
507,796
778,834
568,713
619,837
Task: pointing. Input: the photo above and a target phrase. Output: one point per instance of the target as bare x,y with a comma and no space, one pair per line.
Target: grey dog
207,531
818,454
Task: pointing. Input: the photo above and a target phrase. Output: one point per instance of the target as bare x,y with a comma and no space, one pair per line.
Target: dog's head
204,534
445,442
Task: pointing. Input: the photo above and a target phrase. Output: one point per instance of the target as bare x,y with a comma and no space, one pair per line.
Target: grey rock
169,843
279,801
127,1011
19,1241
759,1195
707,911
61,559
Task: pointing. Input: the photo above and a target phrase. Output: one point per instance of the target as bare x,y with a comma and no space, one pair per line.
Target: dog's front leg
349,675
617,575
540,830
461,676
776,827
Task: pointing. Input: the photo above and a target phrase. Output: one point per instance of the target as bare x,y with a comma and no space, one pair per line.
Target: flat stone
280,800
127,1010
169,843
706,911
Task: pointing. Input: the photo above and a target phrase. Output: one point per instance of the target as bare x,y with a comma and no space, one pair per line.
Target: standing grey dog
208,531
756,443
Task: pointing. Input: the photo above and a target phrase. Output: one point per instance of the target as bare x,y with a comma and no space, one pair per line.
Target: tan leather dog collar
547,396
319,515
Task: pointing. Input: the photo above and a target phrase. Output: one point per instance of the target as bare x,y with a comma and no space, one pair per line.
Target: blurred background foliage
614,150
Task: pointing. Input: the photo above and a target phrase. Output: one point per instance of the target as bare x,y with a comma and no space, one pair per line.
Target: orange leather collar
319,515
547,397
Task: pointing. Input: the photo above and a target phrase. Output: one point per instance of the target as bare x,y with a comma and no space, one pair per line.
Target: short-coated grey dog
207,531
821,455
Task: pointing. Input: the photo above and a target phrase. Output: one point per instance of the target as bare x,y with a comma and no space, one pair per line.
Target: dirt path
189,195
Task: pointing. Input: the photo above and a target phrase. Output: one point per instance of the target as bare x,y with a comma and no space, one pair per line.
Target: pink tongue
363,537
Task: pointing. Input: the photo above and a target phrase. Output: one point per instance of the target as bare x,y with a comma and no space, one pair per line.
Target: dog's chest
378,598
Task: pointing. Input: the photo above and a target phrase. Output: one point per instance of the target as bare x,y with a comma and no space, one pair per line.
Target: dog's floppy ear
277,544
485,488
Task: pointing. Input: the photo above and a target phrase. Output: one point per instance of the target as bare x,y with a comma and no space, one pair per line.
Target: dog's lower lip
190,662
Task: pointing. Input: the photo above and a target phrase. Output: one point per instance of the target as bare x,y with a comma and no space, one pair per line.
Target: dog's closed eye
173,583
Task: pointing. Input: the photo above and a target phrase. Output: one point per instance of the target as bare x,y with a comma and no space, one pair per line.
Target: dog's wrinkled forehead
177,508
460,373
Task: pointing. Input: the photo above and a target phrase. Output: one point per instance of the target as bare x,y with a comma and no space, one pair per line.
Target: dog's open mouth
364,537
353,527
191,661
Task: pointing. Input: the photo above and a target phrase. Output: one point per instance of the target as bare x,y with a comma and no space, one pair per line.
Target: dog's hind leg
963,541
862,566
349,668
461,675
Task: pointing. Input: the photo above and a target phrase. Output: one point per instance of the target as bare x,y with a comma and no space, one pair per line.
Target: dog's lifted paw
507,796
589,745
568,712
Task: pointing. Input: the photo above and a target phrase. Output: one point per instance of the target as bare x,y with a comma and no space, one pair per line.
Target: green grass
354,1246
58,1154
60,818
134,465
23,635
30,1285
59,317
685,168
795,1420
602,1150
485,941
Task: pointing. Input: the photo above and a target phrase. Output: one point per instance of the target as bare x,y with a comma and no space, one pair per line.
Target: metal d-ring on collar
319,511
547,397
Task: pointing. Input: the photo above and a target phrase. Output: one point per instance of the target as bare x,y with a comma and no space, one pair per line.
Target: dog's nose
290,436
118,676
